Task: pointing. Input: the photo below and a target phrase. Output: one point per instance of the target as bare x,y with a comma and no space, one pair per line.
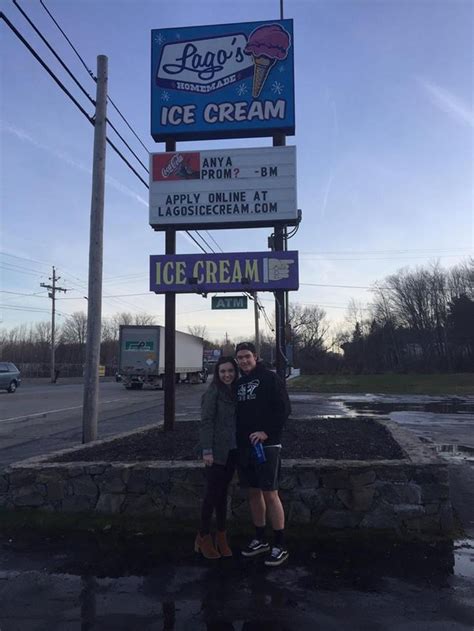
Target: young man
262,409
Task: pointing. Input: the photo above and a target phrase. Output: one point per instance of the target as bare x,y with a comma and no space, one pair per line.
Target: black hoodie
263,405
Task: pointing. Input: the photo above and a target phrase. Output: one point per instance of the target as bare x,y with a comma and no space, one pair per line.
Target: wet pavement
330,585
104,583
445,422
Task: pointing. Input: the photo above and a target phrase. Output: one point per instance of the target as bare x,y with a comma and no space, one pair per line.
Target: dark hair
246,346
224,360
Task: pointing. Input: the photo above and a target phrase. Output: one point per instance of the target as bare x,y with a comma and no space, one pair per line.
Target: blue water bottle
259,453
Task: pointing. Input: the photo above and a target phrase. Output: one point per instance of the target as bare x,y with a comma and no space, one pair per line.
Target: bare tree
200,330
144,319
42,333
309,326
74,329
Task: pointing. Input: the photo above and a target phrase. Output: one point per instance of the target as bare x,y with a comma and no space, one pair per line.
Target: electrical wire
337,286
125,120
66,91
76,81
89,71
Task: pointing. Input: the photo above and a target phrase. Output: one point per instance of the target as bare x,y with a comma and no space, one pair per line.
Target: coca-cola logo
173,165
176,166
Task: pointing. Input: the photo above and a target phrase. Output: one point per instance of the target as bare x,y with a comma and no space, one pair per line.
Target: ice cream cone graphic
267,44
262,66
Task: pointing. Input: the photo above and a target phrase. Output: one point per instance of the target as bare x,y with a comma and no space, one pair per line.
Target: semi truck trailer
142,357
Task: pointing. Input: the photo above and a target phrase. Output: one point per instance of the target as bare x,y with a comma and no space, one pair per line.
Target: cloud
23,135
448,102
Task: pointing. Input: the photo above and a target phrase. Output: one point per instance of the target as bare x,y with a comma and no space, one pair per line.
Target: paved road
37,419
42,417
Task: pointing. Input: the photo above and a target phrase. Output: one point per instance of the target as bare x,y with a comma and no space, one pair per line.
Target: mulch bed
334,439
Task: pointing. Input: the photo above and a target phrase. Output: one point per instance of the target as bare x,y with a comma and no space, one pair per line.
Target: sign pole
170,331
90,407
279,140
256,314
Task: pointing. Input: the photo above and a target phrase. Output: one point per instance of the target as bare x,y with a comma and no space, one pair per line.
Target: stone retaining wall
404,497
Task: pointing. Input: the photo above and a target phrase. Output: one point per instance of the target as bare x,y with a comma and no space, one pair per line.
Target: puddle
331,585
464,558
462,452
435,407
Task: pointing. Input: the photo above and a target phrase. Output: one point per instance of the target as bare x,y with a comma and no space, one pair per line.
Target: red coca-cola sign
181,165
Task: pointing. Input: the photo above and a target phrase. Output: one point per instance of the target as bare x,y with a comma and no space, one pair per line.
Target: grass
436,384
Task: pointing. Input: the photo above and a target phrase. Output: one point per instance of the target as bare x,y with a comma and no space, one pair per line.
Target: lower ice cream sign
237,271
222,81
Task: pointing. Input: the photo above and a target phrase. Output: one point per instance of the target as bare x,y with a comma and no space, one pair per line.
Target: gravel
333,439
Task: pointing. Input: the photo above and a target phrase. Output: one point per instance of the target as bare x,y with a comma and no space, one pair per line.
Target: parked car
10,377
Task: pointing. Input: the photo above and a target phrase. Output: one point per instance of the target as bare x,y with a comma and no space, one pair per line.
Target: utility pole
90,407
52,289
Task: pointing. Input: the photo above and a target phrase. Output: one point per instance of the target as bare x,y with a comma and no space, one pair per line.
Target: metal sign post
170,331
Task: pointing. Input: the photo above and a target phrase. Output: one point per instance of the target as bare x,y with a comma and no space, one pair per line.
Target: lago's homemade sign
244,271
222,81
223,188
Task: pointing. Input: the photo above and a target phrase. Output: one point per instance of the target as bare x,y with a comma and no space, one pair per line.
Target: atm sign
229,302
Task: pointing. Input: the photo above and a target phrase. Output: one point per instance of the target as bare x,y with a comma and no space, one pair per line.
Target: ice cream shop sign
222,81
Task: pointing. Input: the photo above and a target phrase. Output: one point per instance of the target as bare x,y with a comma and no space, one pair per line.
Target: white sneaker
277,557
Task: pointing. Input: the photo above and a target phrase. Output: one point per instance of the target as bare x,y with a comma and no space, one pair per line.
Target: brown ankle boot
205,546
222,545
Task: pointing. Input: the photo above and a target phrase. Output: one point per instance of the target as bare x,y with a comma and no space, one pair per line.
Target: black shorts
264,476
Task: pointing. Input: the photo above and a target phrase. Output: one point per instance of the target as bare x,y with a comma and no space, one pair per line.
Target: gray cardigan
218,419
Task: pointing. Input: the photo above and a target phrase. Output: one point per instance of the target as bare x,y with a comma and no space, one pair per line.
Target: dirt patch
334,439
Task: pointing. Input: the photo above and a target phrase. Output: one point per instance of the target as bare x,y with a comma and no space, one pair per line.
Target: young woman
217,432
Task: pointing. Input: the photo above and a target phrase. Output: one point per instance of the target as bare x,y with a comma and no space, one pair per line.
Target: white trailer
142,357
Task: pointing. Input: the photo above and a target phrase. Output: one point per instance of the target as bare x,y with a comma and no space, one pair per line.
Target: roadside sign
223,188
238,271
211,355
229,302
222,81
101,371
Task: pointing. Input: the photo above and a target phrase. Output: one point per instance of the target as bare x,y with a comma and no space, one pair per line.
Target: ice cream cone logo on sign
267,45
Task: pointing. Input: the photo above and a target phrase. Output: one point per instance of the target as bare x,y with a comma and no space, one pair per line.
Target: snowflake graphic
281,68
159,38
277,87
242,89
165,96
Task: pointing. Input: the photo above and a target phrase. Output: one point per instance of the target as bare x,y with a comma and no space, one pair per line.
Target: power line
17,293
66,91
211,237
399,251
43,64
24,258
8,268
31,309
337,286
89,71
122,116
380,258
74,78
90,119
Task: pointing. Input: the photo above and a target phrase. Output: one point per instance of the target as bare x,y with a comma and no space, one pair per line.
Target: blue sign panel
244,271
222,81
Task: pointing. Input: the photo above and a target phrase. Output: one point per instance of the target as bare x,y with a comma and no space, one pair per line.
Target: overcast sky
384,137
